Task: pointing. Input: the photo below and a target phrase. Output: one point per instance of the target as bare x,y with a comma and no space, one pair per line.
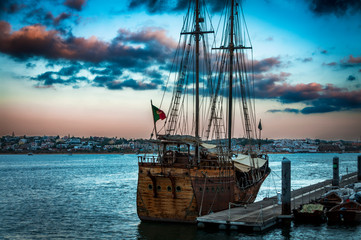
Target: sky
91,67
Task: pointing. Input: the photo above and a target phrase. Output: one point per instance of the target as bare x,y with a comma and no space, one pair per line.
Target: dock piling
336,170
359,168
286,187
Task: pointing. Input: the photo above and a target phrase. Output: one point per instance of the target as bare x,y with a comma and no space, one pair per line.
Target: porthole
207,189
200,189
178,188
150,186
159,188
212,189
169,188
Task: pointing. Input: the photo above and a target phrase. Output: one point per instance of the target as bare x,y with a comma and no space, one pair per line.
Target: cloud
30,65
113,84
351,78
266,64
337,7
317,97
130,83
354,60
10,7
75,4
330,64
56,20
269,85
309,59
50,78
35,41
286,110
161,6
70,71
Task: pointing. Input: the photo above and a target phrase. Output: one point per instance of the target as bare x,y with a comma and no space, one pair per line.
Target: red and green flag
158,114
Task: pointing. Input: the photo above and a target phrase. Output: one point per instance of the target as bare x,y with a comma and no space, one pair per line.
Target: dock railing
230,204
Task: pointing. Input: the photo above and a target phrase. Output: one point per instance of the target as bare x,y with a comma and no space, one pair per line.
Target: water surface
94,196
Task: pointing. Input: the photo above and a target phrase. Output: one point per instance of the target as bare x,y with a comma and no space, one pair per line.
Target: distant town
12,144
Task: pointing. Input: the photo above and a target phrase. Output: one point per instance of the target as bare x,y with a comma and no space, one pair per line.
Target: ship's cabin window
150,186
159,188
178,188
176,149
200,189
169,188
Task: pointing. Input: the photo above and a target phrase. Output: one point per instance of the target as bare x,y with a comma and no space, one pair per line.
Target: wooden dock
262,215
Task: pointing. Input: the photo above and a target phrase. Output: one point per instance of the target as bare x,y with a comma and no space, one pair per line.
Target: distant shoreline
119,153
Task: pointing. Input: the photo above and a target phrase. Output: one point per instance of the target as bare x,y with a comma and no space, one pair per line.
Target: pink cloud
354,59
35,40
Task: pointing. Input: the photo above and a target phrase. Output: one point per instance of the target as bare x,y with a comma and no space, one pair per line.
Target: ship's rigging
205,94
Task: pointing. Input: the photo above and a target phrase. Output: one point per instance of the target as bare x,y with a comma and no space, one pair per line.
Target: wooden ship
197,170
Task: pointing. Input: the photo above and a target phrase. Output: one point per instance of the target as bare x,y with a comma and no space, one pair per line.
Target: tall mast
230,96
197,32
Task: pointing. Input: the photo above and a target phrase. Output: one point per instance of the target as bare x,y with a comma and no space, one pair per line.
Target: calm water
94,196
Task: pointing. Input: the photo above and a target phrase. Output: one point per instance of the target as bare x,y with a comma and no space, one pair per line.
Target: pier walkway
264,214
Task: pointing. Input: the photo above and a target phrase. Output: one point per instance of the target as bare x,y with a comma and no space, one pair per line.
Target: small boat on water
347,212
310,213
330,200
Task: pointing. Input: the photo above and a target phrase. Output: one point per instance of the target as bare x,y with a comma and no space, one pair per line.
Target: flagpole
260,134
155,125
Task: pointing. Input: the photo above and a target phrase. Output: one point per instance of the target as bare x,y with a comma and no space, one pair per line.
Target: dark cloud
113,84
330,64
130,83
10,6
66,76
154,74
35,41
133,51
309,59
351,78
56,20
162,6
286,110
266,64
102,81
30,65
269,85
75,4
107,70
337,7
70,71
320,99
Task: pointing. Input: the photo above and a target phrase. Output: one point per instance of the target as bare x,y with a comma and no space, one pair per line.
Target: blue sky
90,67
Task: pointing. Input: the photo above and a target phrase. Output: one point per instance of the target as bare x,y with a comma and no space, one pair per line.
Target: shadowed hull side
165,194
181,195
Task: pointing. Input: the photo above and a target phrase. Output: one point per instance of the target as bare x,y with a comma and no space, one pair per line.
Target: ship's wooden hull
174,194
